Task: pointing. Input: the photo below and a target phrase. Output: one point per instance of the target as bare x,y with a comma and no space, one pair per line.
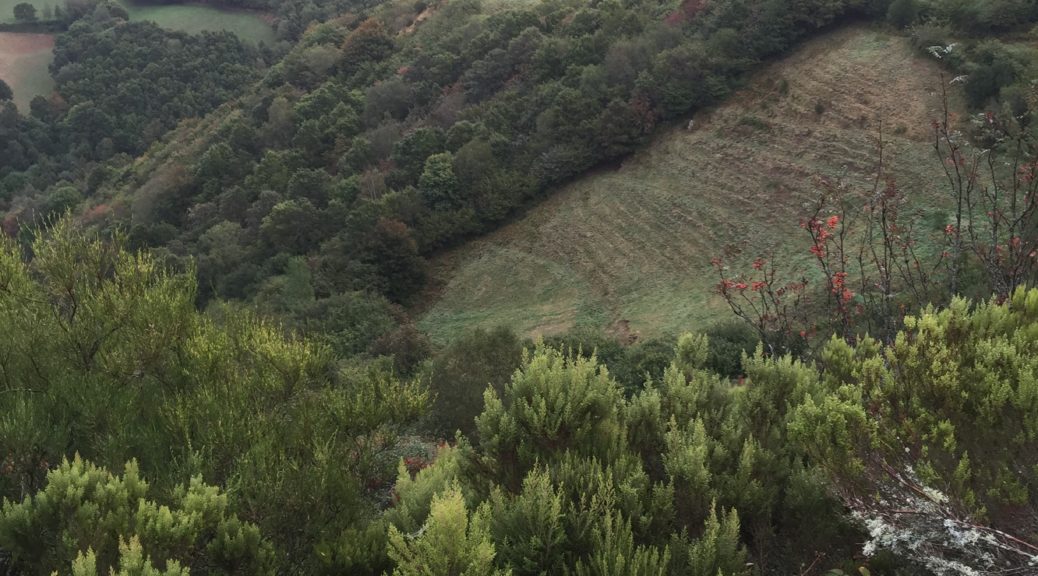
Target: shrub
728,342
903,13
88,519
461,373
452,541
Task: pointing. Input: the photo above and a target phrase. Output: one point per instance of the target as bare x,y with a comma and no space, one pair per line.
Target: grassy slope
24,59
629,250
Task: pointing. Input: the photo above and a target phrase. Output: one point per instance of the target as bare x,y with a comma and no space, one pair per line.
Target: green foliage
459,374
902,13
369,42
106,356
952,399
729,342
348,322
994,72
293,226
565,472
530,526
139,59
554,404
438,185
582,479
318,194
615,552
426,129
691,352
414,495
132,562
24,12
60,201
718,551
87,519
451,541
977,17
632,365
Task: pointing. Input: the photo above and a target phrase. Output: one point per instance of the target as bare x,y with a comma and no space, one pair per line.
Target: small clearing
192,18
24,61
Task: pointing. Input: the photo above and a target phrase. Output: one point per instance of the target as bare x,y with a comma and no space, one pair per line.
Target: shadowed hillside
629,249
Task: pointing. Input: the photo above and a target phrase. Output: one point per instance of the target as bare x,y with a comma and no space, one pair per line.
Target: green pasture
7,7
195,18
188,17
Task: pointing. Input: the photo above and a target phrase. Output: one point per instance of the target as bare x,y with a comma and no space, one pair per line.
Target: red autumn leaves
774,306
821,232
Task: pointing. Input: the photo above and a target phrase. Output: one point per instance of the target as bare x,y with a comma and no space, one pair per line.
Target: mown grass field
24,59
629,250
195,18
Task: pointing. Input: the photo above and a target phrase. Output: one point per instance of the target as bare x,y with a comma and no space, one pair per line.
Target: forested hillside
214,252
376,142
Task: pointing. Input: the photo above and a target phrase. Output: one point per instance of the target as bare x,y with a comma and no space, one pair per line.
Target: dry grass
632,247
24,61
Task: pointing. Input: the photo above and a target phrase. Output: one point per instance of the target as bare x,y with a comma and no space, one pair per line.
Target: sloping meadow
629,249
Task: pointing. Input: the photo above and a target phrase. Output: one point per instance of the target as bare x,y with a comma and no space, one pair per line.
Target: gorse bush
924,438
87,521
697,476
580,479
105,356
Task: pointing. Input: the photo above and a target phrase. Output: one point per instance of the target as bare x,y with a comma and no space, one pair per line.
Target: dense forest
212,251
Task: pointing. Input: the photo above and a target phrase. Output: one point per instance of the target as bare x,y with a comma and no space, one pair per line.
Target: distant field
194,18
24,59
7,7
628,250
